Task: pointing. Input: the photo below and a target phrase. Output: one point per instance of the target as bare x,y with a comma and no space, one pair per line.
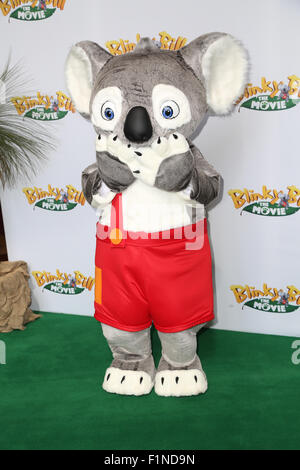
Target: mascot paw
172,382
180,383
127,382
175,144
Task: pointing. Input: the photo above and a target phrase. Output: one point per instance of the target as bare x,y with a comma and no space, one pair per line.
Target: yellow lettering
275,89
294,294
265,86
42,100
294,83
19,104
90,284
123,46
5,7
130,46
59,4
79,277
61,97
257,293
113,47
293,194
29,193
275,196
180,43
239,293
238,197
165,38
72,192
39,277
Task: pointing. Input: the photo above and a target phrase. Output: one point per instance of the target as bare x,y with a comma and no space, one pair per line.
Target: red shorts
153,280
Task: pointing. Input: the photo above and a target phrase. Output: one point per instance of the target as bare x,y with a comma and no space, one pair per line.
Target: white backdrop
253,253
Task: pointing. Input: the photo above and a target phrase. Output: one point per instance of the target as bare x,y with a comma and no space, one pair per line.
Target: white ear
78,74
84,61
225,69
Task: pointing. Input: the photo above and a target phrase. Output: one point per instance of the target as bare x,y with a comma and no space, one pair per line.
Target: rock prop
15,297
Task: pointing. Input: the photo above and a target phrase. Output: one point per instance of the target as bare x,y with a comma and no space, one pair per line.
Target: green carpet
51,396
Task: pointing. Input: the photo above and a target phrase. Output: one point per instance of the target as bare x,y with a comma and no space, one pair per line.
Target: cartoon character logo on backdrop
63,283
44,107
165,41
267,299
268,202
30,10
272,96
54,199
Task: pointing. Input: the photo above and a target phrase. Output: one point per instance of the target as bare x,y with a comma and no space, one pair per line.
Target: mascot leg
180,372
132,369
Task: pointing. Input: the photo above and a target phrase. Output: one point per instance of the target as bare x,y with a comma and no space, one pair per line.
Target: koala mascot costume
149,183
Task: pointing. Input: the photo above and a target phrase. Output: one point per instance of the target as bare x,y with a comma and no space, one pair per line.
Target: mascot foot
129,377
180,382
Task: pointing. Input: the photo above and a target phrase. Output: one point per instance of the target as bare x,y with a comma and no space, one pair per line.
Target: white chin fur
180,383
135,382
225,68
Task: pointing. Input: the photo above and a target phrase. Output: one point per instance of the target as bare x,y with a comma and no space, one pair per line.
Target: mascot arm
90,182
189,174
96,192
205,183
103,179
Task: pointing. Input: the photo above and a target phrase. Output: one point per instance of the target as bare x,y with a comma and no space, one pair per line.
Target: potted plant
24,145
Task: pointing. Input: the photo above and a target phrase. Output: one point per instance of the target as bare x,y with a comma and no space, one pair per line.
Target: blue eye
167,112
109,114
107,111
169,109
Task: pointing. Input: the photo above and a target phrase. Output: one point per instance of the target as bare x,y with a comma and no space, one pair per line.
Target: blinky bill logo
63,283
44,107
272,96
55,199
268,299
270,202
30,10
166,42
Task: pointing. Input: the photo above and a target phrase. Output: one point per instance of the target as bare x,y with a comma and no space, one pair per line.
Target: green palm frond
24,143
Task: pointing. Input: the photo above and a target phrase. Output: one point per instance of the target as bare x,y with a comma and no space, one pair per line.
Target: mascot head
150,93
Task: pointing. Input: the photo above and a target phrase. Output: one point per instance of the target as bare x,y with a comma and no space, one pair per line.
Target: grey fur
128,345
179,349
131,350
164,365
206,181
194,51
145,46
143,365
90,181
137,74
175,172
115,174
96,54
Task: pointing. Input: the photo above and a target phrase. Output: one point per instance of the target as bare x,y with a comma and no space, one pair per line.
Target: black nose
137,127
